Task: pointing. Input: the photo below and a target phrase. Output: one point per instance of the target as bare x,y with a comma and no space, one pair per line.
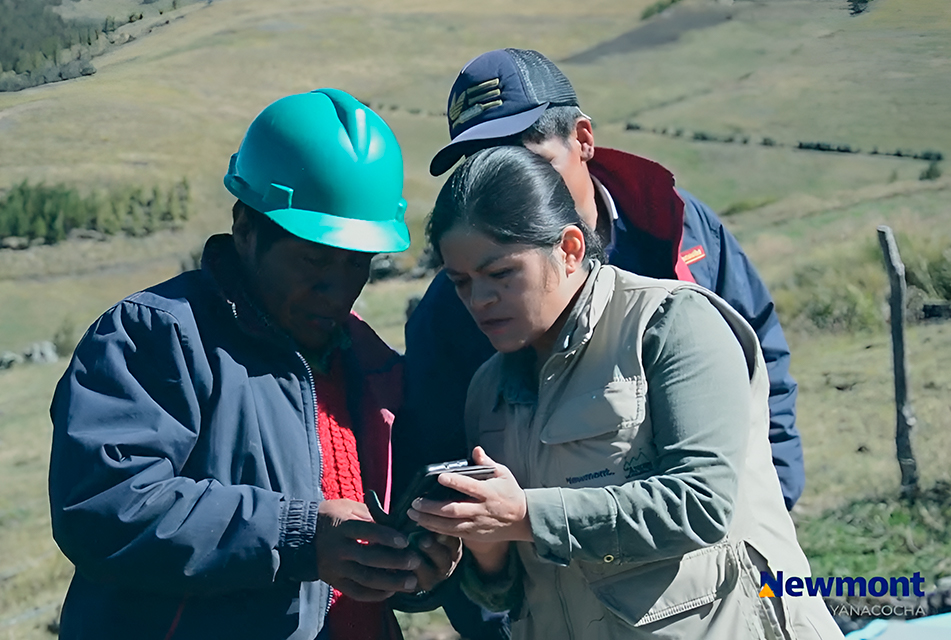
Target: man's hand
362,559
441,554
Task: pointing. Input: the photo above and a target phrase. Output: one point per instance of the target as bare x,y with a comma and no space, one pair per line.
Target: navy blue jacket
658,232
185,468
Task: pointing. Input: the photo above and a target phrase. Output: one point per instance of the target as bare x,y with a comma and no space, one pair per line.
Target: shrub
842,306
848,290
51,212
844,292
65,339
933,172
30,29
928,266
658,7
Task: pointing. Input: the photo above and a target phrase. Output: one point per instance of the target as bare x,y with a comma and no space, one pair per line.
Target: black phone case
424,485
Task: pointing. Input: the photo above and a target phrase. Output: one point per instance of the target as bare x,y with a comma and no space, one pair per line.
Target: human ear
585,136
243,233
573,247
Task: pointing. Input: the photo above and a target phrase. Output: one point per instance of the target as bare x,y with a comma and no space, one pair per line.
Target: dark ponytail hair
511,195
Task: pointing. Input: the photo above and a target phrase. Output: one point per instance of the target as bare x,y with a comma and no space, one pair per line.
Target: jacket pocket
649,593
597,412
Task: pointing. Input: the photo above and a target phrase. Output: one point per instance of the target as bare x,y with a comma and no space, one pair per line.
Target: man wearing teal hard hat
214,435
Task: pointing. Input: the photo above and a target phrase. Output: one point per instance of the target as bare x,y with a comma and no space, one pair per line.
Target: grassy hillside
175,101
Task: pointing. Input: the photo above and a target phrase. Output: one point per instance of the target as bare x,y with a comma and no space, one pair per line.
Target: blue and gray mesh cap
499,94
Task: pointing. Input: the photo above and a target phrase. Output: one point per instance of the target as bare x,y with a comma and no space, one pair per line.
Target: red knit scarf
348,619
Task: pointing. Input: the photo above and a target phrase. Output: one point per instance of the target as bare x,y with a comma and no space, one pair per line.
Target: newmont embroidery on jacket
594,475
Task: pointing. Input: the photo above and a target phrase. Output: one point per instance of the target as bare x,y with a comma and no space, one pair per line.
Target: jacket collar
221,269
644,194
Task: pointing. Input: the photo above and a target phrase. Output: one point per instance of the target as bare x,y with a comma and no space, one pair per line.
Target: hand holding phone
497,512
425,484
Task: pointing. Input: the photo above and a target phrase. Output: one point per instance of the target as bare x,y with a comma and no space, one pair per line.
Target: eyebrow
481,267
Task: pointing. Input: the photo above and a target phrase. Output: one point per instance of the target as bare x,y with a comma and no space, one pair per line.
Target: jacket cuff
499,593
548,519
296,544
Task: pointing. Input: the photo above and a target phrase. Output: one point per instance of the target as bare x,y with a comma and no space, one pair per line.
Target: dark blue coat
657,225
185,468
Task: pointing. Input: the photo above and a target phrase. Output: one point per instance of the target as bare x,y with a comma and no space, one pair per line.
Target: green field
175,101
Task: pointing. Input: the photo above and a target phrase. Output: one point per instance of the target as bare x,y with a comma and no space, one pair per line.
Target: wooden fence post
905,416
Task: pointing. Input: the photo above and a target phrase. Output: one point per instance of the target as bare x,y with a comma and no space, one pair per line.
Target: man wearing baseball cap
214,435
519,97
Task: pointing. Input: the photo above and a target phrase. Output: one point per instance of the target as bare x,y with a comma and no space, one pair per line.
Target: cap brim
468,139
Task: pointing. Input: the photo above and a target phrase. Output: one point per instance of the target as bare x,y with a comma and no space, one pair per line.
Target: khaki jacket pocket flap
597,412
658,590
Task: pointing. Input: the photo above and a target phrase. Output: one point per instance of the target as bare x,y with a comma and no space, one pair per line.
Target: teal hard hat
327,169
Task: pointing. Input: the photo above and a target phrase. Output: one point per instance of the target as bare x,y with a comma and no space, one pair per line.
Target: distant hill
43,41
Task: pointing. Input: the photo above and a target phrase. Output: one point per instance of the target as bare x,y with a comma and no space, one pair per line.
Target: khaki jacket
620,550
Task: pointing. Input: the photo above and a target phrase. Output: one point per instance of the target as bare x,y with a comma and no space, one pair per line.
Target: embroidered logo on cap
473,101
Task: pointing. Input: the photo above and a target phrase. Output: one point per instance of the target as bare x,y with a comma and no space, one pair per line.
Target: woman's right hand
497,512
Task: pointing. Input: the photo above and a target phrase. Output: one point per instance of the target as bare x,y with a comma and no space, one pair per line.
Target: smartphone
425,484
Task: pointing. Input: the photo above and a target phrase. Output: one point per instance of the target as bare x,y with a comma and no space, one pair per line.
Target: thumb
479,456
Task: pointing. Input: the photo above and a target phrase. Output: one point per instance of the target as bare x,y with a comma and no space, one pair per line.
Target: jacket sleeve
127,415
729,273
698,397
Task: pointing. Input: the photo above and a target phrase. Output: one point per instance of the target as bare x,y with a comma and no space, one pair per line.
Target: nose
482,294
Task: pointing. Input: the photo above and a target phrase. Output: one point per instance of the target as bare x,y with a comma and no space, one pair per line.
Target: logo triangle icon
766,592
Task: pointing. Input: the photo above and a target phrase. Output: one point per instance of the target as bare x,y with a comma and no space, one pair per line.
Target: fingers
380,580
335,512
470,486
455,510
379,557
440,553
360,511
373,533
361,593
437,524
372,585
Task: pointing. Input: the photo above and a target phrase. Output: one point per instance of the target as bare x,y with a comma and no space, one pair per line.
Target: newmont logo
826,587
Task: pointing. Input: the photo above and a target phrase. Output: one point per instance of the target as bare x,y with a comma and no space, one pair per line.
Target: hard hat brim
369,236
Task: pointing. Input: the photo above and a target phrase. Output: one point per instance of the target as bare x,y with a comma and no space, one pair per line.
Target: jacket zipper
320,455
320,459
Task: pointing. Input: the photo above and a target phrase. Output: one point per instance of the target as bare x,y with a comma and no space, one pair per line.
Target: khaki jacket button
609,558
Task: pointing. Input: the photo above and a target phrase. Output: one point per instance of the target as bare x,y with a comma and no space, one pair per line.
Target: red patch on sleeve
693,255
